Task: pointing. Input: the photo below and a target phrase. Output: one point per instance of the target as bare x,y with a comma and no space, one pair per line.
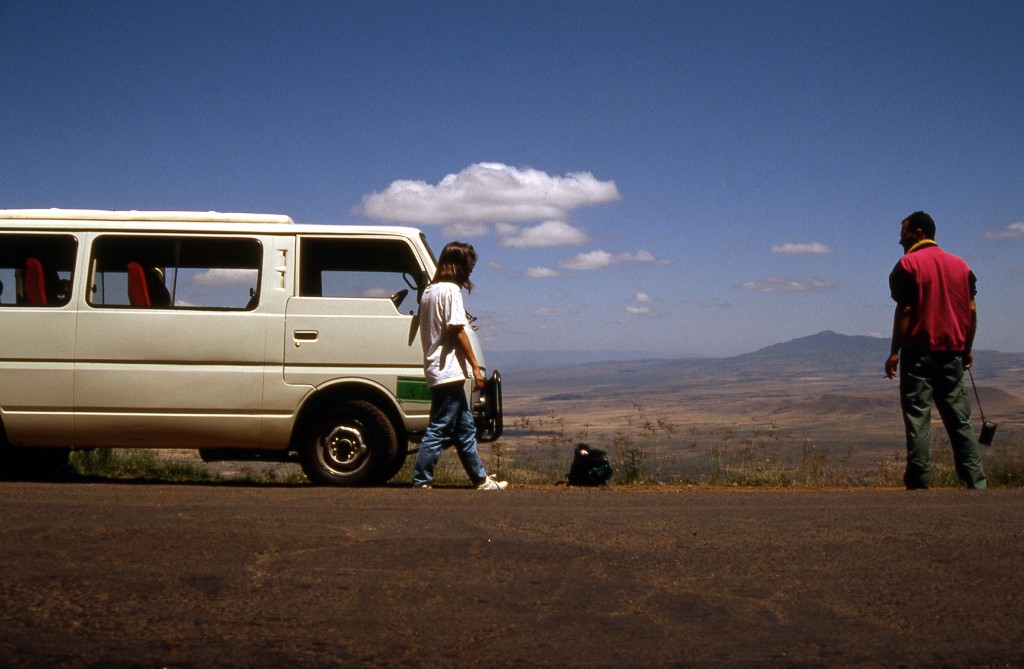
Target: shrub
137,464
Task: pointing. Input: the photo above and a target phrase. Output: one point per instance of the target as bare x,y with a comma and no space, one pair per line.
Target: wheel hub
344,447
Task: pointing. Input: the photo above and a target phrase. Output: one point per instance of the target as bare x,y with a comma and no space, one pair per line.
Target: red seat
34,282
138,291
146,287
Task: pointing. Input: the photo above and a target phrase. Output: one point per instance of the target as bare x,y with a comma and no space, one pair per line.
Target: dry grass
650,449
175,466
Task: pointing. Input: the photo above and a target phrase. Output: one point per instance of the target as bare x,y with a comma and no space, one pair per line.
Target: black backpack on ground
590,467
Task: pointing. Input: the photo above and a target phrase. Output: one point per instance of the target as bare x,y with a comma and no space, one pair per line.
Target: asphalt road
140,575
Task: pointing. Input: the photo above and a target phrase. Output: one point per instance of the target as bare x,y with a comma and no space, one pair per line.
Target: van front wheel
349,443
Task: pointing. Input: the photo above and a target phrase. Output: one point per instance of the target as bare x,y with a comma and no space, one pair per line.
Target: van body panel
281,401
358,332
331,338
36,375
37,335
162,377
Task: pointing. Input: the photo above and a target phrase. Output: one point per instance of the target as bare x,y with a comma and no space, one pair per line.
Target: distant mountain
831,353
822,347
827,355
824,353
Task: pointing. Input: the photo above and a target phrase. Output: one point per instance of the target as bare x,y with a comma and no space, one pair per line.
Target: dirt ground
145,575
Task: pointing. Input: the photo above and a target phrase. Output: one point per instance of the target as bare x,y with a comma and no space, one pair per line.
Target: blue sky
663,178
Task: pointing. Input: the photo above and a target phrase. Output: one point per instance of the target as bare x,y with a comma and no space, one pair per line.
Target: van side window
159,272
36,270
360,268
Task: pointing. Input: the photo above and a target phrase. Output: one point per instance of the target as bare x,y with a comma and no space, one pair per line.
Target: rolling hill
826,392
822,374
825,354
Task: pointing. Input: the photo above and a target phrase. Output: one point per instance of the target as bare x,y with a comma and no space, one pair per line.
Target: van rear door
37,337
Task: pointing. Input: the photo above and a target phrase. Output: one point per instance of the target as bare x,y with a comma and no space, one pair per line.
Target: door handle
305,335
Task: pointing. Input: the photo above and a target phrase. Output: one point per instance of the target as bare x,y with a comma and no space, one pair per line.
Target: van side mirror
399,297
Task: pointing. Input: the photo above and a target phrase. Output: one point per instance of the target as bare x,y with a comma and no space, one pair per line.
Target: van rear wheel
350,443
35,464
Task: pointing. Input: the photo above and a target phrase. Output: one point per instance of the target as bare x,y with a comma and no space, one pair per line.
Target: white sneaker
490,484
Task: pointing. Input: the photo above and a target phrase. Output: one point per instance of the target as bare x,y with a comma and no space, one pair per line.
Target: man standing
933,336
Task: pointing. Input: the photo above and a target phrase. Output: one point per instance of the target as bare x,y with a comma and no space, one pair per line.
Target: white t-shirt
441,315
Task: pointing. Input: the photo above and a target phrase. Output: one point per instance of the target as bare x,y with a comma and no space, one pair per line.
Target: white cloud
464,230
550,312
788,284
642,257
587,261
226,277
599,259
541,273
487,192
813,248
1013,231
376,292
548,233
640,308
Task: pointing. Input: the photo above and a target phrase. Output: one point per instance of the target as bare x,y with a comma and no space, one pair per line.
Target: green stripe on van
411,389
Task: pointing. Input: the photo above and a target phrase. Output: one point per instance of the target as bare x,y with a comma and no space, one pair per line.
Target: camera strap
980,410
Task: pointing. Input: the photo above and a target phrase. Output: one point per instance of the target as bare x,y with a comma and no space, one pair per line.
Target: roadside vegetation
152,465
649,450
645,450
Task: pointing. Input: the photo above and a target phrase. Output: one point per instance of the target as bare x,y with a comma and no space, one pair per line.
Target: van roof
169,216
189,220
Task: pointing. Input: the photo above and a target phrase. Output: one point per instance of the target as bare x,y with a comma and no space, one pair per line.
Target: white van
241,335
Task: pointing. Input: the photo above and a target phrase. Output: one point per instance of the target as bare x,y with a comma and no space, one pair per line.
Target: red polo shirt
940,287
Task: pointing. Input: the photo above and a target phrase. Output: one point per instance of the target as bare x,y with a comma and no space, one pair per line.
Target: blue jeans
938,377
451,423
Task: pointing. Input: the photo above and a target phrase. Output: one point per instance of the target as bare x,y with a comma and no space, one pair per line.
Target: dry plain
819,403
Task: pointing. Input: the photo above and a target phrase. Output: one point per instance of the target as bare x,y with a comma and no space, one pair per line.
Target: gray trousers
937,377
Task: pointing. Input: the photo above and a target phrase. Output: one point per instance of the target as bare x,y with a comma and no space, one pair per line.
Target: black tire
35,464
351,443
396,463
